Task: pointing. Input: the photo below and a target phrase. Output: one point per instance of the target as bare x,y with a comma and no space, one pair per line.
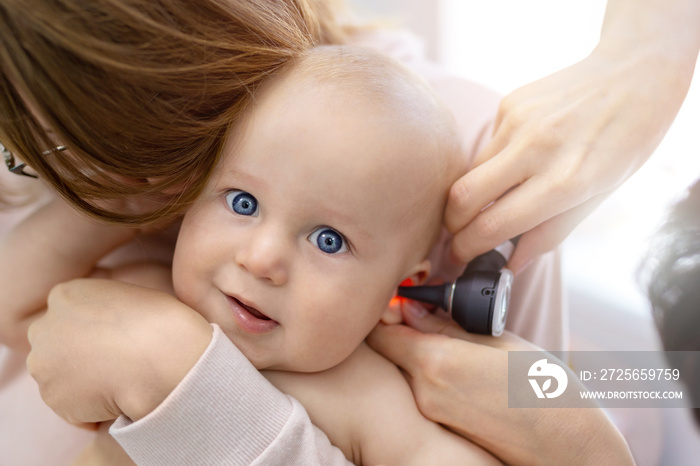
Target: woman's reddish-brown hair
141,92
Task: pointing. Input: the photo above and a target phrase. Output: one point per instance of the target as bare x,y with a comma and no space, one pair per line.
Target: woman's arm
106,349
565,142
461,380
52,245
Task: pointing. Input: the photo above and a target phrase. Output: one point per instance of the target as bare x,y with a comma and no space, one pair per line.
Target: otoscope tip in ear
479,299
434,295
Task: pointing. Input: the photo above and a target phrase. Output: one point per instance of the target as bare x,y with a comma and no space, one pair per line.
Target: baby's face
298,242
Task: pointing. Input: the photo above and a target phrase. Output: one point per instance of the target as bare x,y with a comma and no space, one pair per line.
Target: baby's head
329,194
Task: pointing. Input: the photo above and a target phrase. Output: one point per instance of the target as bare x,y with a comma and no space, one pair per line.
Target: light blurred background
505,44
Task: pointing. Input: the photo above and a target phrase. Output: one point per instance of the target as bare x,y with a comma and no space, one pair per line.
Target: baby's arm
127,326
367,409
52,245
105,450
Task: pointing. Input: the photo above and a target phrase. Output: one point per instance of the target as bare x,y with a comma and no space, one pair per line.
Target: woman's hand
461,381
106,348
564,143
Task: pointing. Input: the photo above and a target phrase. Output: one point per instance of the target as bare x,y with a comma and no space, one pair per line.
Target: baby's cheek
181,282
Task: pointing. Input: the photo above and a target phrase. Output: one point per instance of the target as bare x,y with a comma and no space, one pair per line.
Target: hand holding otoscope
478,300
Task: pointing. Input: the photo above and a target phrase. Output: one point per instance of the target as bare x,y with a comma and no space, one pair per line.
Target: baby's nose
265,256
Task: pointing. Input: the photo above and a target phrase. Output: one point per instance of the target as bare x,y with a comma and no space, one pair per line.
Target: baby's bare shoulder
343,400
349,378
367,409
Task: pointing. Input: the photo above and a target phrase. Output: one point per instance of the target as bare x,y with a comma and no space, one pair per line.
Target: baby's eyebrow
232,175
344,223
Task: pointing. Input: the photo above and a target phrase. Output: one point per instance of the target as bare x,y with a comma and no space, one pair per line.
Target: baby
328,195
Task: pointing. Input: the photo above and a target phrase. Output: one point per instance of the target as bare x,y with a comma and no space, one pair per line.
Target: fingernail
415,309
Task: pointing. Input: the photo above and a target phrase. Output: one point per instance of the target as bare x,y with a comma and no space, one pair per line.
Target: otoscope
478,300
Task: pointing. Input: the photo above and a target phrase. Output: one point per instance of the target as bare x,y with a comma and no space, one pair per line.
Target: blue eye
242,203
328,240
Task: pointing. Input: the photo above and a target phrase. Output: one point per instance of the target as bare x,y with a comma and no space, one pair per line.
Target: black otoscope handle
495,259
478,300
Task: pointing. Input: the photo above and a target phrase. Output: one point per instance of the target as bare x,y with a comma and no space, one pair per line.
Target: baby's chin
302,364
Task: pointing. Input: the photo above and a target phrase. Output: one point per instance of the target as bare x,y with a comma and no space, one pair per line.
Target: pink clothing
30,433
275,430
224,412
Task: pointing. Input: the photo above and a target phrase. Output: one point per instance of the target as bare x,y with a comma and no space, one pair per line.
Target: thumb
396,342
418,317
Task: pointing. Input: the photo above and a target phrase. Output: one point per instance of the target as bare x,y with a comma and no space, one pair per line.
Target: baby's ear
417,276
419,273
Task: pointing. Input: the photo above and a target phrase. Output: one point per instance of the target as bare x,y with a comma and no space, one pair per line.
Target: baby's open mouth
252,310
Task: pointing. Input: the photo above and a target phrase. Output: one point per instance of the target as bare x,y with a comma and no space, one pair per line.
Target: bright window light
505,44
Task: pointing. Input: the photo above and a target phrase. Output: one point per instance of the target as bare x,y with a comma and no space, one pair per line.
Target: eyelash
246,201
315,237
231,197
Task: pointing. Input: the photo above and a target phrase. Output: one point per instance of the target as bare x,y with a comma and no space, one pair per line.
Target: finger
426,322
397,343
522,209
37,327
548,235
417,317
480,187
498,142
32,331
515,118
